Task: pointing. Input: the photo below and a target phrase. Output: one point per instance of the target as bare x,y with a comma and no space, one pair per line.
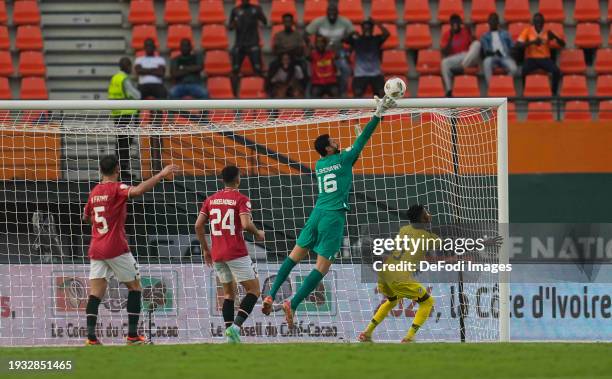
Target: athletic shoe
407,340
266,308
233,334
138,340
363,337
288,313
95,342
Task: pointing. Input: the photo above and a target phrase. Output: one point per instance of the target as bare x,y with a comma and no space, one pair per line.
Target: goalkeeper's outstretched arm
382,105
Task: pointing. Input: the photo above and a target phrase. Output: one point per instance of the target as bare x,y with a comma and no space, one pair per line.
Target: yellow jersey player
395,285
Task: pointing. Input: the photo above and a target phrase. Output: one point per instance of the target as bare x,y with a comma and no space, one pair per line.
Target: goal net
448,154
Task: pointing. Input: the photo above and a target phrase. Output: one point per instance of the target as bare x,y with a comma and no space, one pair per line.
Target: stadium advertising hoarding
43,305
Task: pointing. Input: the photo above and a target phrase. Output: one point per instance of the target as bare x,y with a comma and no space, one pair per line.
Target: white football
395,88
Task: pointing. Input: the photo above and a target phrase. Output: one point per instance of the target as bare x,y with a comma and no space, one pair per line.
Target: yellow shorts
410,290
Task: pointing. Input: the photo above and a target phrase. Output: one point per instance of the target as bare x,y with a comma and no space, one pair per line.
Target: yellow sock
380,315
421,316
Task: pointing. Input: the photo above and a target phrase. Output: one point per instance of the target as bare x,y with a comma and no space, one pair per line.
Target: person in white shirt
151,69
497,49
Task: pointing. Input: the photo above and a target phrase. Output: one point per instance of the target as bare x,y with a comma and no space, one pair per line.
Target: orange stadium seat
6,63
577,111
29,37
395,62
393,41
428,62
140,33
252,88
430,86
314,9
501,86
517,11
418,36
557,28
280,7
384,11
211,12
3,14
537,85
26,13
516,28
539,111
609,13
253,2
5,41
588,35
604,85
220,87
587,10
603,63
214,37
481,9
552,10
466,86
417,11
448,7
511,112
217,62
605,110
32,63
176,33
480,30
177,12
33,88
574,85
572,61
141,12
5,89
351,9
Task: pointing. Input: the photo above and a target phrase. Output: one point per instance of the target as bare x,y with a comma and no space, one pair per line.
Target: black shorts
361,83
153,90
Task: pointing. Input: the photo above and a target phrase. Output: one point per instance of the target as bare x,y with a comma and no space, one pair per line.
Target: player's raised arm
382,105
148,184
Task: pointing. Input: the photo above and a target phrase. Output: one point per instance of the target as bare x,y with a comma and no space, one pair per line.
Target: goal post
449,154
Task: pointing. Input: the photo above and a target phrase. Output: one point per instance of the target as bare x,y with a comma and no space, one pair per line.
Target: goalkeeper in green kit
324,230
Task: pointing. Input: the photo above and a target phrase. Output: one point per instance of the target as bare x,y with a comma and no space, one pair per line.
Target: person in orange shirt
537,42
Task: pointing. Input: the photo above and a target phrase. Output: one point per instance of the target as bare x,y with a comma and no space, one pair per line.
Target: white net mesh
444,158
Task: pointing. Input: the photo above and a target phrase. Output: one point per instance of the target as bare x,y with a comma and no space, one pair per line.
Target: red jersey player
110,256
229,212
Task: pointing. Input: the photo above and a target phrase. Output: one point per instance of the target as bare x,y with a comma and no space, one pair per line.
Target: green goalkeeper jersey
335,172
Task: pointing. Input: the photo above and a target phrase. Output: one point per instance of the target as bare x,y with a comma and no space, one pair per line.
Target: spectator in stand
186,69
285,78
368,51
122,88
245,20
323,70
537,43
288,40
151,69
335,28
459,49
497,49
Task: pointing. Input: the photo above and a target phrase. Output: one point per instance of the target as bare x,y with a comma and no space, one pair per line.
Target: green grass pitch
313,361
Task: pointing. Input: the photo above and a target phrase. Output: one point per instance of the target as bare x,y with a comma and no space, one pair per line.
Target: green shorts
323,232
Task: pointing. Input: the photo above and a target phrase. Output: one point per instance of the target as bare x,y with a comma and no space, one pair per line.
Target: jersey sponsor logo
248,204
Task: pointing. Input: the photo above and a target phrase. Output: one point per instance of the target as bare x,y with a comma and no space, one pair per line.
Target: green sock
309,284
281,276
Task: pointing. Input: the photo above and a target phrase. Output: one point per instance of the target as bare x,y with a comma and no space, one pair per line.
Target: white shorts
239,269
123,268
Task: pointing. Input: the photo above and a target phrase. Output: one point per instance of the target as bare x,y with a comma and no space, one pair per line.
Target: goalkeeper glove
383,105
